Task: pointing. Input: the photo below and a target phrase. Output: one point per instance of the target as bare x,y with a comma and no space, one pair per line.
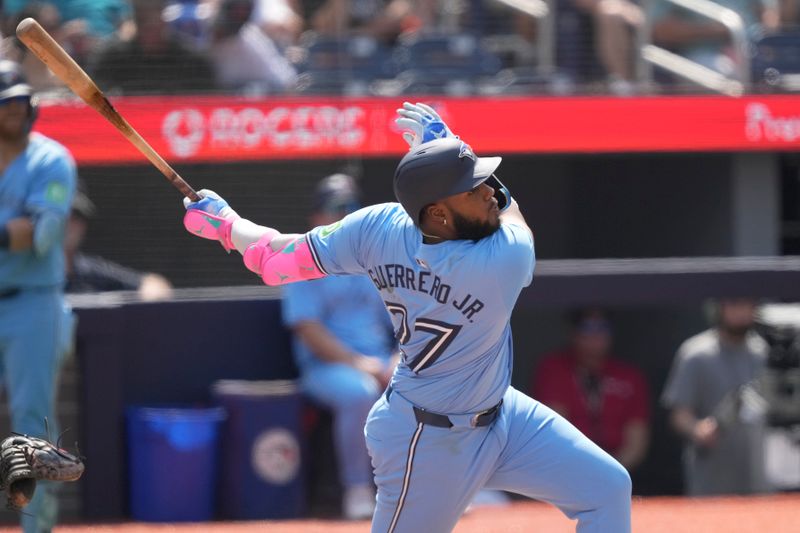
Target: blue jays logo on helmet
466,151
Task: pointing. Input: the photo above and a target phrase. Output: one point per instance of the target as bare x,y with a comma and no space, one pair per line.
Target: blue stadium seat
444,63
776,62
346,65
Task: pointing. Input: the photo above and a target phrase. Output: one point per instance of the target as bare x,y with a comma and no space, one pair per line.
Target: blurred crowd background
393,47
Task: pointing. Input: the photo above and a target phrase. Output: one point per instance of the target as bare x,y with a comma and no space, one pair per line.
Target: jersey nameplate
393,276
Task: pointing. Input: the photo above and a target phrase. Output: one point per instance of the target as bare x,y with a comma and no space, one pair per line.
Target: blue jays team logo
434,129
466,151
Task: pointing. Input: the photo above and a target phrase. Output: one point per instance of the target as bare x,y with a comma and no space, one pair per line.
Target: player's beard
473,230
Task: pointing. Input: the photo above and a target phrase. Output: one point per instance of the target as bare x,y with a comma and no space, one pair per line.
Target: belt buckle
473,421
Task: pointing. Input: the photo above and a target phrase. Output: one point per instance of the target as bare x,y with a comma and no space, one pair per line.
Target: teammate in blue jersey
343,346
36,187
449,260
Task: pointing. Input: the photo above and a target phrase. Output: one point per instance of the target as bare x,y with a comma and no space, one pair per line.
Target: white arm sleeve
244,233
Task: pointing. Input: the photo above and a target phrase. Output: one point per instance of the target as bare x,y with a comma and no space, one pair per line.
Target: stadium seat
453,64
347,65
776,63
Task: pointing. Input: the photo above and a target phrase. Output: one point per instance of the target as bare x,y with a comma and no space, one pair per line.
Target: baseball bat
56,58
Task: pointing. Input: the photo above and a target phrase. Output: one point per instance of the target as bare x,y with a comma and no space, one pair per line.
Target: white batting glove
424,124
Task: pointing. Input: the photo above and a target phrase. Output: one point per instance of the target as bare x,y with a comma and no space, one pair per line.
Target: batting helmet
13,85
438,169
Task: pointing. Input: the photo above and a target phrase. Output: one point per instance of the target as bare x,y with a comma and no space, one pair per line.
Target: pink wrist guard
209,226
291,263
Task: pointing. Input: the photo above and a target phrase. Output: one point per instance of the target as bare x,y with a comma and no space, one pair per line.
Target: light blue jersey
450,302
347,306
41,179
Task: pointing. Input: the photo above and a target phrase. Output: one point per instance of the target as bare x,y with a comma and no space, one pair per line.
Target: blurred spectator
478,17
380,19
279,19
723,453
706,41
87,273
73,36
151,61
100,18
38,75
596,39
190,20
605,398
38,180
244,57
343,345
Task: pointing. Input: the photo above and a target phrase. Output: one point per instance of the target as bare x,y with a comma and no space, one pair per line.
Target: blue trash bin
172,462
261,451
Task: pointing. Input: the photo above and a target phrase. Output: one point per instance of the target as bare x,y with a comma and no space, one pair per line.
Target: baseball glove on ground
25,459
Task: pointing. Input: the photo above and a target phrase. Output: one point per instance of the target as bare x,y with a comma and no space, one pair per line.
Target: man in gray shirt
724,446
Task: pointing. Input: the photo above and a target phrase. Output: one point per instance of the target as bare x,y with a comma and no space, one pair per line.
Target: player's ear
436,213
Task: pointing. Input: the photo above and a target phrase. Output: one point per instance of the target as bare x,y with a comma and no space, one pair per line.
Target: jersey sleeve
341,247
510,261
301,301
53,184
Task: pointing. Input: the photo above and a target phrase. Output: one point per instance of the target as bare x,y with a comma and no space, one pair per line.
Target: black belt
9,293
484,418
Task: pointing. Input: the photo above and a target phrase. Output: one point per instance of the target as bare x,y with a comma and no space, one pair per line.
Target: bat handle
183,187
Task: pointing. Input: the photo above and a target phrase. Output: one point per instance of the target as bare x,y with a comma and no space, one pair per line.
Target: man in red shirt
605,398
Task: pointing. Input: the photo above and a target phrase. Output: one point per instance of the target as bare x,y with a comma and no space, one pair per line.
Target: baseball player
36,187
449,261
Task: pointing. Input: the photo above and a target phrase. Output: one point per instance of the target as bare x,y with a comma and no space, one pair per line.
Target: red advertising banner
209,129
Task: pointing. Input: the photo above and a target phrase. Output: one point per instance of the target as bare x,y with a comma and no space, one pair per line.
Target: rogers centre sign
188,130
220,129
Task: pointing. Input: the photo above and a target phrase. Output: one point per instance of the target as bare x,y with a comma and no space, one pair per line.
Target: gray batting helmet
438,169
